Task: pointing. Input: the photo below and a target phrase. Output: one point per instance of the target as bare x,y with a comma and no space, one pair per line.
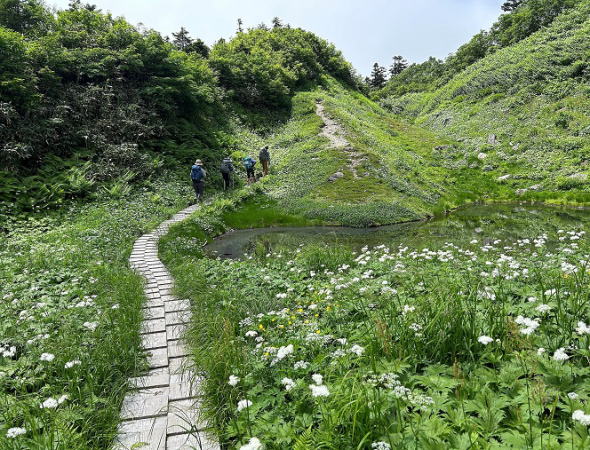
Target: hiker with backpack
227,167
264,158
249,164
198,175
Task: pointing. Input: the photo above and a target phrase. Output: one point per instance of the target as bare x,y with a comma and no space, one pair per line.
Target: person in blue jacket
198,175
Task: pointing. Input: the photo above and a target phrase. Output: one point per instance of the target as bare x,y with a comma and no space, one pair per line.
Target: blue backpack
249,163
196,173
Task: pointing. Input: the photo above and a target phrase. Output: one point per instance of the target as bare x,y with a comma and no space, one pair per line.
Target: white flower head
244,404
50,403
319,390
485,340
251,333
357,350
580,416
91,325
317,379
288,383
14,432
47,357
572,395
70,364
233,380
253,444
582,328
301,365
380,446
560,355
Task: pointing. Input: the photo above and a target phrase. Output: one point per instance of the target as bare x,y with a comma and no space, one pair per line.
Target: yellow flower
317,331
317,315
306,321
261,327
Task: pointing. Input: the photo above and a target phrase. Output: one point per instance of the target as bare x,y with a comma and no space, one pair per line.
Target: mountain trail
334,132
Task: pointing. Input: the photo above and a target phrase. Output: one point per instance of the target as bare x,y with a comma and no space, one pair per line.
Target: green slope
534,96
397,174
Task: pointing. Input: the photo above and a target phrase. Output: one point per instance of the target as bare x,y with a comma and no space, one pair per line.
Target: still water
485,223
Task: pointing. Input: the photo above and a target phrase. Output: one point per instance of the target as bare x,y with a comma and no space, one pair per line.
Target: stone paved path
161,412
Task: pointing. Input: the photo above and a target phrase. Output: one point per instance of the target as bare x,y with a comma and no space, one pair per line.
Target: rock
493,139
579,176
473,166
520,192
487,168
446,121
535,187
335,176
441,147
504,177
515,146
481,156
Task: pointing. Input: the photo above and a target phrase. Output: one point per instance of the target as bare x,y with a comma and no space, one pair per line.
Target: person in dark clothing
198,175
227,167
264,158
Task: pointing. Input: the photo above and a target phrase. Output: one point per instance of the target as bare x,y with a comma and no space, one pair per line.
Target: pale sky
365,31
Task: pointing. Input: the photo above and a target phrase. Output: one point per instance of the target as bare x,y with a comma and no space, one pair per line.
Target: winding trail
335,133
162,410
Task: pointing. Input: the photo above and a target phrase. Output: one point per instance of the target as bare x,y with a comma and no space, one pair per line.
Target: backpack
197,173
249,163
264,155
226,166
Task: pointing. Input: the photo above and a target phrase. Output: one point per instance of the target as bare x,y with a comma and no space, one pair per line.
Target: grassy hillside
389,170
533,96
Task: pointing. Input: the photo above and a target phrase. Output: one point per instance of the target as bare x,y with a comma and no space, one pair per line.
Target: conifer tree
240,26
399,65
182,39
276,23
377,79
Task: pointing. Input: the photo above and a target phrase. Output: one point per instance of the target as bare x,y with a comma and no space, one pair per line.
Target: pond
485,223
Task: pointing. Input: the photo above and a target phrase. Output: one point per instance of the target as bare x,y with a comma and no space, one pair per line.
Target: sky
365,31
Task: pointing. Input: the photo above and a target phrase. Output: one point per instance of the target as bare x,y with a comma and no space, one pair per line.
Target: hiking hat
198,162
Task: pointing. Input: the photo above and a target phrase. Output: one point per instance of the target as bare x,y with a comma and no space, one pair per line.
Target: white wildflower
580,416
50,403
485,340
357,350
233,380
47,357
319,390
253,444
14,432
91,325
380,446
244,404
582,328
288,383
317,379
301,365
543,308
560,355
572,395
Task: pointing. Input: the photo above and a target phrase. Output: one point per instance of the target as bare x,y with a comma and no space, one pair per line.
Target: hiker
249,164
264,157
227,167
198,175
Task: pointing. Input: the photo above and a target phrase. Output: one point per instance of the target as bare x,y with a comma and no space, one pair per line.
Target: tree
240,26
199,47
399,65
511,5
377,79
276,23
182,39
28,17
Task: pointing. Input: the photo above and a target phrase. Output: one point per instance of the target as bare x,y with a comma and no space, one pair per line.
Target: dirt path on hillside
334,132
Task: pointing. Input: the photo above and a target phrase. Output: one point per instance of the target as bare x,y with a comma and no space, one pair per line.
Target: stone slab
153,379
145,403
154,340
153,326
145,434
157,357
